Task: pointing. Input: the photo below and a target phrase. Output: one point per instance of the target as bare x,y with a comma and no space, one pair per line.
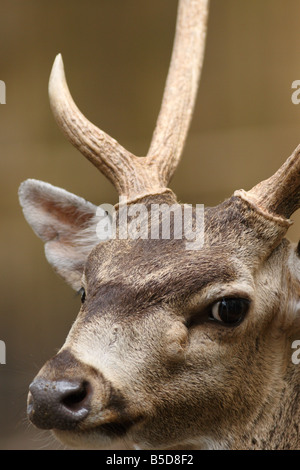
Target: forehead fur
232,231
148,272
132,277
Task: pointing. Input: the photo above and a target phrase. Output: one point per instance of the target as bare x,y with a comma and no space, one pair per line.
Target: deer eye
229,311
81,292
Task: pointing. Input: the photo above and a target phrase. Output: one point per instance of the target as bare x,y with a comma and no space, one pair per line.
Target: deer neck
276,425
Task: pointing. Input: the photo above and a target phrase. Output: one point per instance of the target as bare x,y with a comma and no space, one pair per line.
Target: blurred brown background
116,55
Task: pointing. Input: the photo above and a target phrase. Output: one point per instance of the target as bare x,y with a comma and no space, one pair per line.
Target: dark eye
229,311
81,292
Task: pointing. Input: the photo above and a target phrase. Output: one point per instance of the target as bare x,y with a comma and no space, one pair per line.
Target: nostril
59,404
77,399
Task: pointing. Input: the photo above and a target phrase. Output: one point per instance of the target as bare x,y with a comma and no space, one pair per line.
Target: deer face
149,352
171,347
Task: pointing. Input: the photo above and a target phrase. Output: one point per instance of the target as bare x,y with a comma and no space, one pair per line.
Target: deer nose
60,404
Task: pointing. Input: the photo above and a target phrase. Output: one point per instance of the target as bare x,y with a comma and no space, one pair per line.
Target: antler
181,87
279,196
132,176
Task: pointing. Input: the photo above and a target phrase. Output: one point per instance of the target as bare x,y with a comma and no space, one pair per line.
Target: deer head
172,348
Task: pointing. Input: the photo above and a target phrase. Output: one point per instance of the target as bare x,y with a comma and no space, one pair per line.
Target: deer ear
66,223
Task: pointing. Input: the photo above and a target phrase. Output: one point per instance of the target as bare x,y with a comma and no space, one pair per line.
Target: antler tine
181,87
133,177
103,151
279,195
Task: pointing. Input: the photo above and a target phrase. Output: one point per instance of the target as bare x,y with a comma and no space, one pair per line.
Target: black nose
60,404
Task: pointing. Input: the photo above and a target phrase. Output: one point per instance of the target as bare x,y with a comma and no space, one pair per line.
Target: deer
172,348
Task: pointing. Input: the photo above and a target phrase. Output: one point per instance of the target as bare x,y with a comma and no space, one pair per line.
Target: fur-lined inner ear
66,223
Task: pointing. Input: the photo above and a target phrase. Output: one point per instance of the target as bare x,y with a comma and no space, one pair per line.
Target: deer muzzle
68,395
